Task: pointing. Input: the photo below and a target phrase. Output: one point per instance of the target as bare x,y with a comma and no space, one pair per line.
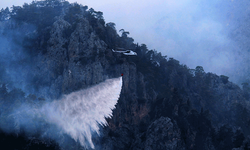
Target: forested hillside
51,48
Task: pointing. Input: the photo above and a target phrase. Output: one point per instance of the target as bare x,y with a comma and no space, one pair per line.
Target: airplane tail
113,50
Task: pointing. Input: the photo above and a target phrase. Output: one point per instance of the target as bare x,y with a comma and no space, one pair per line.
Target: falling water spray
77,114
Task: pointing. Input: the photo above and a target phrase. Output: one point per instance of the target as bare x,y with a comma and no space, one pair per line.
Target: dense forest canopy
53,47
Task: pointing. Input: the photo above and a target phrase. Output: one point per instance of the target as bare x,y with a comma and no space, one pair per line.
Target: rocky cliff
163,105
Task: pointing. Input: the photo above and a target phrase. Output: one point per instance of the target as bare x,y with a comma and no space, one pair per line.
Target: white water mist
77,114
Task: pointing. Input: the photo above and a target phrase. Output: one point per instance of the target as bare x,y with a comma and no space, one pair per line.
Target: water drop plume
77,114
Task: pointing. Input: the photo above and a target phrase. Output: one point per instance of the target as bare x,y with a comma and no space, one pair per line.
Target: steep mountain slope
61,47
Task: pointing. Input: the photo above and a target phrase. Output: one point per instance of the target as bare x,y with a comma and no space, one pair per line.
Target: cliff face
163,105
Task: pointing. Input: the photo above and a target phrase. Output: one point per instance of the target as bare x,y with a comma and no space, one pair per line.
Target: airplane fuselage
126,52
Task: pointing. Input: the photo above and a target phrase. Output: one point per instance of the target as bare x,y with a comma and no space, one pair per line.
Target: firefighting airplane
125,52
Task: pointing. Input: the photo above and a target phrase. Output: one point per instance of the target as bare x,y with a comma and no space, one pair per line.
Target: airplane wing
118,51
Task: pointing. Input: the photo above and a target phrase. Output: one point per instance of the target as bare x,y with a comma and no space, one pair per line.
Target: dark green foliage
246,89
9,100
4,14
125,41
224,79
71,15
41,15
21,142
224,138
16,94
161,107
242,118
2,73
238,139
111,36
199,71
246,144
245,86
3,92
202,125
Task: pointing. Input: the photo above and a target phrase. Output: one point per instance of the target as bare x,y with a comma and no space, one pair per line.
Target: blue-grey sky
192,31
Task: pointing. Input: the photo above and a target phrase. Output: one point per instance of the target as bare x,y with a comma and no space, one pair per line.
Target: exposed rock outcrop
163,134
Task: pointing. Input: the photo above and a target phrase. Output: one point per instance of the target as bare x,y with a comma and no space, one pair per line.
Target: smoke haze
197,33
